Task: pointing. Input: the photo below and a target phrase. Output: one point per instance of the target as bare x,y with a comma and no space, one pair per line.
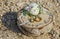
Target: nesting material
34,20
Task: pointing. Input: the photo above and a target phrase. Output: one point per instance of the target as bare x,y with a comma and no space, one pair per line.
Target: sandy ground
13,32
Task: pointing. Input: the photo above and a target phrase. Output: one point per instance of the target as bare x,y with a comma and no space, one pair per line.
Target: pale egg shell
34,11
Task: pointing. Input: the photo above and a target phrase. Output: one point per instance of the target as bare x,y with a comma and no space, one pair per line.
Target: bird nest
40,21
33,23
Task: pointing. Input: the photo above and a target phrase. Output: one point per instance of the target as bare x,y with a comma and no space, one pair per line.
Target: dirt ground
13,32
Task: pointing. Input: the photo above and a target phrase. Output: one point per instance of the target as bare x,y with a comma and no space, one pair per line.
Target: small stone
31,20
37,19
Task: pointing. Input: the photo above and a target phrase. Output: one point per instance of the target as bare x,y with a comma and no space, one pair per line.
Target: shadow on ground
9,20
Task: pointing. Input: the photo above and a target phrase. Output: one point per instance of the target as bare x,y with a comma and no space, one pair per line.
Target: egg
34,11
33,8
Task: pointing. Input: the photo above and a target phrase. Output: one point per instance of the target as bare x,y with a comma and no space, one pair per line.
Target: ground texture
12,32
